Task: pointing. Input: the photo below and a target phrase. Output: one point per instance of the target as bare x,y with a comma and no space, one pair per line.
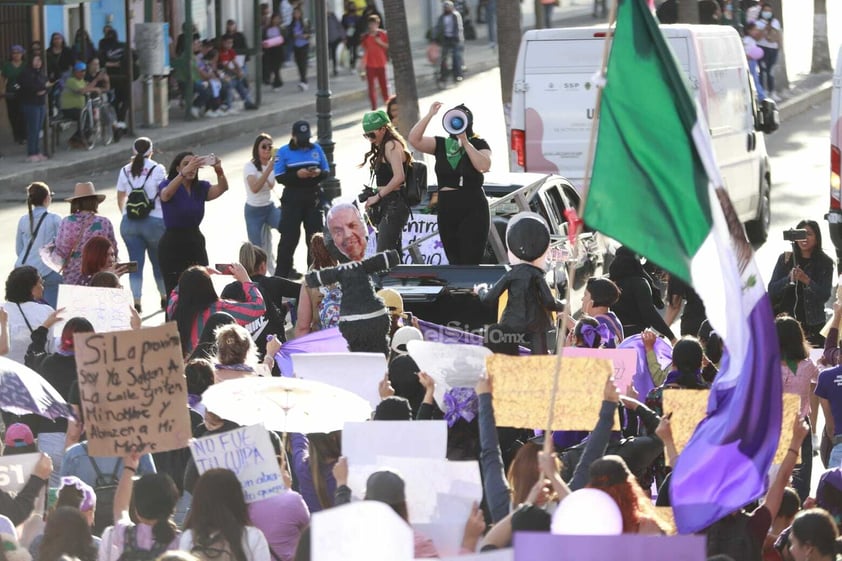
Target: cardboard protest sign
431,250
363,442
360,531
133,391
523,386
529,546
689,407
359,373
450,365
624,361
108,309
15,471
248,452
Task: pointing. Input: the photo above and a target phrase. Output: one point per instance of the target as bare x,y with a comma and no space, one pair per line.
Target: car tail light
834,178
519,146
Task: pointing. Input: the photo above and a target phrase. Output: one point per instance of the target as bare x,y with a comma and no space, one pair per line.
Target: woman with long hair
32,94
195,300
141,229
183,197
10,72
143,511
298,32
313,458
67,533
318,308
261,213
59,58
387,159
799,375
814,536
75,230
219,520
802,280
461,161
26,310
639,301
98,256
37,228
206,346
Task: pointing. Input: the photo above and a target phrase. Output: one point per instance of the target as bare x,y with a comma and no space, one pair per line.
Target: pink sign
625,362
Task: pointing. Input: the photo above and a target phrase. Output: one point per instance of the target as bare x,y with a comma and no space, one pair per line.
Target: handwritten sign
15,471
624,361
431,250
133,391
108,309
246,451
450,365
523,386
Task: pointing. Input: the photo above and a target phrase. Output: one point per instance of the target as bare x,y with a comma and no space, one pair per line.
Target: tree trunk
688,11
779,70
508,34
400,53
821,50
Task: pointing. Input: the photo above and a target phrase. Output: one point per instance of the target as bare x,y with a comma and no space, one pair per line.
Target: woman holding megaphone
461,160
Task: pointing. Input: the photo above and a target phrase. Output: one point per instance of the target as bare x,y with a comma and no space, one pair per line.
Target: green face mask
453,150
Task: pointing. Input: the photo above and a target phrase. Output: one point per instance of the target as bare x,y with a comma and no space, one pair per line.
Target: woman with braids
151,502
219,523
36,228
387,159
461,161
143,220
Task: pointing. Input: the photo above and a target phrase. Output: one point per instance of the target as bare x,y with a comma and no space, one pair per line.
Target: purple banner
540,546
642,378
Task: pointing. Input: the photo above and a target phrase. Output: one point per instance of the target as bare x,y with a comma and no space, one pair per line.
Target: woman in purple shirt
183,198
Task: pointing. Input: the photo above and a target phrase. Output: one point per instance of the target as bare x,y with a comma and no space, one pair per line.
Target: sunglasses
370,135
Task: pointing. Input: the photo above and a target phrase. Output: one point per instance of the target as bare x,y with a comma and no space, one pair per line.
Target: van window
726,88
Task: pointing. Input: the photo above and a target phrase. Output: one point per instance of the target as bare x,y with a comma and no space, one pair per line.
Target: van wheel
757,230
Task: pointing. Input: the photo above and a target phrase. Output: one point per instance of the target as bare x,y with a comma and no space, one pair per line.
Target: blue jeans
259,216
491,20
767,64
835,459
448,46
202,93
241,88
142,236
51,282
34,116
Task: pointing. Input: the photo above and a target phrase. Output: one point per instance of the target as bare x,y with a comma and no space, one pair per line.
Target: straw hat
83,190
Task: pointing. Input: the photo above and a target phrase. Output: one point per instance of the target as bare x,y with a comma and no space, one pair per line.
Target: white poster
431,250
15,471
246,451
360,531
359,373
108,309
362,443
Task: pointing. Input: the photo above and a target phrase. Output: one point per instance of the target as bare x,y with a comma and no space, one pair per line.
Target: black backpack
105,488
138,205
131,552
415,186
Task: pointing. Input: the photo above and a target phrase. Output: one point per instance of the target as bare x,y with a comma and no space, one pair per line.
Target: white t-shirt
19,334
125,183
761,24
264,196
255,545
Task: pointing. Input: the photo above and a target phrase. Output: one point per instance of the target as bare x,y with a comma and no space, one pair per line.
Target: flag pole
573,230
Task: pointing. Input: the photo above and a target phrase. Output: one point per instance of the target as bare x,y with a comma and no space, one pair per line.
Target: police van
834,217
554,97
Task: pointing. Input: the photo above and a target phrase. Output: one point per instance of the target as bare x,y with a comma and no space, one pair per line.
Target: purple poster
534,546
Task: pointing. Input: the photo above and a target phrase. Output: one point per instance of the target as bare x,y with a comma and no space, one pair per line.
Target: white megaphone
455,121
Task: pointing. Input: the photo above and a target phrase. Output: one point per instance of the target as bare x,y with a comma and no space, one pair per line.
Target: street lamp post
330,186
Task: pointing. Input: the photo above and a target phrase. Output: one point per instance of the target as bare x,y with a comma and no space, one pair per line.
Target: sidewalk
289,104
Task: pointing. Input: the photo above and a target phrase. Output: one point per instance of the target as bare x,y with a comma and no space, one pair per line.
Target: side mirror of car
768,117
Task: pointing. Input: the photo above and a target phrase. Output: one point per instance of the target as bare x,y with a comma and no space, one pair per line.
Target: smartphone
130,266
408,317
209,160
224,268
793,235
314,168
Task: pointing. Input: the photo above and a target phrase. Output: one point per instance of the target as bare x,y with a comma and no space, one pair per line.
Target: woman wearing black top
639,299
461,161
387,159
33,90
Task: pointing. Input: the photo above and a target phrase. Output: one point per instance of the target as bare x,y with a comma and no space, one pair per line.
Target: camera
366,193
794,235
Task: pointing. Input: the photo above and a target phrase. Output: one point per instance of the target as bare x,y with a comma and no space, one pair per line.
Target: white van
834,217
553,100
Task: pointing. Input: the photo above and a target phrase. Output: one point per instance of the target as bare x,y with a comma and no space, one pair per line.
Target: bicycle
96,121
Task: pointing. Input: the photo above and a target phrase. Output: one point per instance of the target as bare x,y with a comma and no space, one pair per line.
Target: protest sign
431,250
450,365
248,452
363,442
530,546
108,309
359,373
15,471
132,389
624,361
360,531
523,386
689,407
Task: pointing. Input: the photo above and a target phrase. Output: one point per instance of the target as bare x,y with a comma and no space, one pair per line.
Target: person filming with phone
802,280
183,196
300,166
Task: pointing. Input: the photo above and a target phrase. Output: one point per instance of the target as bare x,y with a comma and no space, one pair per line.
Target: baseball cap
18,435
17,49
301,131
374,120
385,486
79,67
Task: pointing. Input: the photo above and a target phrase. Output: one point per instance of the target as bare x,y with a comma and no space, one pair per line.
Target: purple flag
324,341
642,380
530,546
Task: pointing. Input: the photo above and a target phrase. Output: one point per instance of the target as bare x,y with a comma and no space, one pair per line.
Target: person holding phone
183,197
802,281
300,166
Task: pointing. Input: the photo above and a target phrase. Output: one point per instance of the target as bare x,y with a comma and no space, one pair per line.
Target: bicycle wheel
87,129
107,118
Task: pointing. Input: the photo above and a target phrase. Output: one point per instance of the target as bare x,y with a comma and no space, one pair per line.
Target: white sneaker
303,86
195,112
213,114
121,125
816,442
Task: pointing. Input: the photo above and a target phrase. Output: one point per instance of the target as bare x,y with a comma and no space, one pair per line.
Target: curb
803,102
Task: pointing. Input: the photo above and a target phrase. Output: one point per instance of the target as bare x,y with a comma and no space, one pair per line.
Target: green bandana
453,150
